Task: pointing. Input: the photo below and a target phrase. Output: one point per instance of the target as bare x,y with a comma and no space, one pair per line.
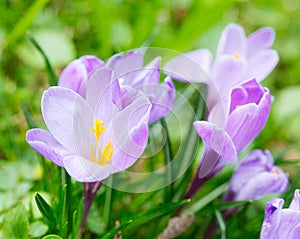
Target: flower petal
260,40
83,170
295,204
247,121
128,132
163,100
58,105
217,140
123,64
192,66
232,41
44,143
261,65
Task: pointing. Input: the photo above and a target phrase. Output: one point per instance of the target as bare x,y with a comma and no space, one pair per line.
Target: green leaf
38,229
51,74
227,205
46,211
15,223
114,231
52,236
221,223
95,222
158,212
197,206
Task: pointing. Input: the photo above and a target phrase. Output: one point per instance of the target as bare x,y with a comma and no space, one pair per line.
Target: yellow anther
99,129
106,155
236,56
101,157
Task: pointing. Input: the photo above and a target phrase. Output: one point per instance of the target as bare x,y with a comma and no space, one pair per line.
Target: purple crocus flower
238,59
78,71
255,177
232,125
135,78
91,137
282,222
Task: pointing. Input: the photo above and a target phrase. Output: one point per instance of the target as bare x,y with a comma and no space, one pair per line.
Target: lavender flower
91,137
255,177
282,222
232,125
134,79
238,59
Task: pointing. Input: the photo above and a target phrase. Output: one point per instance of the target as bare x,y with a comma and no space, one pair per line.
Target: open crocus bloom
238,59
282,222
255,177
91,137
232,125
134,79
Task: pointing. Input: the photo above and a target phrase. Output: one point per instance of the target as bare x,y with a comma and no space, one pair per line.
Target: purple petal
218,140
232,41
44,143
83,170
262,184
256,162
260,40
73,76
58,105
295,204
246,121
77,72
261,65
289,224
272,219
193,66
123,64
163,100
129,133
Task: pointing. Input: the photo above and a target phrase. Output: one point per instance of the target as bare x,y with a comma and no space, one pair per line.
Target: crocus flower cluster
255,177
282,222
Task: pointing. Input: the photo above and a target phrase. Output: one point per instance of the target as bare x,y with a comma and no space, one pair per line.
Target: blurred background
68,29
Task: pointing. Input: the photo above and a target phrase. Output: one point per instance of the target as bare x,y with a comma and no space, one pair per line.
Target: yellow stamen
236,56
107,152
99,129
106,155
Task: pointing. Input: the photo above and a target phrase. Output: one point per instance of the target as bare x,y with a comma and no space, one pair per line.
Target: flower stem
89,194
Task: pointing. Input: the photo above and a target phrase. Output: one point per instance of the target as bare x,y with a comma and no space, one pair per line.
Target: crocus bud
281,222
255,177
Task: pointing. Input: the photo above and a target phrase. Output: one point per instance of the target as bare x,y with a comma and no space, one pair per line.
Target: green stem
108,202
169,192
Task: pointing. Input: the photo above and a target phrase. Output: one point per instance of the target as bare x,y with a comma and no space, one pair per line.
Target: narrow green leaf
197,206
114,231
46,211
15,223
50,71
108,202
227,205
30,121
169,191
221,223
158,212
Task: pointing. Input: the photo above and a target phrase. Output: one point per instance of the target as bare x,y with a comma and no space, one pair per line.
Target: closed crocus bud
279,222
78,71
232,125
255,177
